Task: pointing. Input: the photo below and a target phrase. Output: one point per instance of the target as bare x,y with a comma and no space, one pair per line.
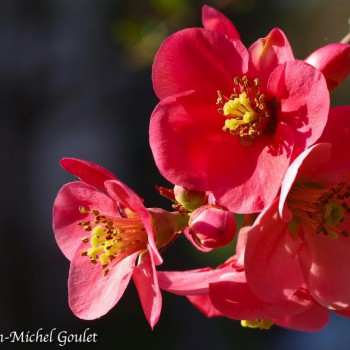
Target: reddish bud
333,61
212,226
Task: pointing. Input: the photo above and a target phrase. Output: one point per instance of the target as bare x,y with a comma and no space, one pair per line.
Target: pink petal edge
91,294
213,19
87,172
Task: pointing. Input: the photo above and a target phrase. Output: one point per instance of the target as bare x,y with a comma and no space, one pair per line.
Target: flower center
321,208
112,238
246,112
261,323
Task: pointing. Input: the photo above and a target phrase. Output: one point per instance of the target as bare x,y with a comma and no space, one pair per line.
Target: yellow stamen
261,323
246,112
333,213
112,238
321,208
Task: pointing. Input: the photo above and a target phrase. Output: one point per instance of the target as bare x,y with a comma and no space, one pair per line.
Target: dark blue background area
67,89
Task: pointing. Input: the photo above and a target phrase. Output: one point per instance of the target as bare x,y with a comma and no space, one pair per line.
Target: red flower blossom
108,235
303,236
230,120
224,292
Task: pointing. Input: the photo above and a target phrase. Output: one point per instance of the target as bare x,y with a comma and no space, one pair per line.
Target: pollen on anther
246,112
111,237
83,210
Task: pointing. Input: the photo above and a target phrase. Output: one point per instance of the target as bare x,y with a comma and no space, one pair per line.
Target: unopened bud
333,60
189,199
212,226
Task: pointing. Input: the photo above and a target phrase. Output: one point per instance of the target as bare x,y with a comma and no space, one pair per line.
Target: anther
83,210
321,208
112,237
246,112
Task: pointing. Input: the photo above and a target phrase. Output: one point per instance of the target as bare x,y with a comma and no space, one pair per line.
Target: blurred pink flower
231,120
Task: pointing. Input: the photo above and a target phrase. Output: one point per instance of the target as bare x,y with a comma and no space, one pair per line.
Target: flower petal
91,294
125,196
337,132
313,319
333,61
194,282
242,238
213,19
309,160
66,214
183,128
271,258
204,304
88,172
267,53
304,101
238,175
197,58
236,300
324,263
145,279
128,198
188,235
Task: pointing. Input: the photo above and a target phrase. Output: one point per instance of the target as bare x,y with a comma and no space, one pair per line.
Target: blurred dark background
75,80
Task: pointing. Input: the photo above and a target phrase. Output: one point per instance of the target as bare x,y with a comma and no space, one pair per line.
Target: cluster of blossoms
236,131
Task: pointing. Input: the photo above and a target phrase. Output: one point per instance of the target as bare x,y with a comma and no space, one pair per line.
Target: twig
346,39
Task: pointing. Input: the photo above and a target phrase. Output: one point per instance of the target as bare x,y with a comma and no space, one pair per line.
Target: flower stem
346,39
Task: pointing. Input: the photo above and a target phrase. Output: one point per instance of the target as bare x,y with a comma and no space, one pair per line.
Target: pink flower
333,61
303,236
109,236
231,120
224,292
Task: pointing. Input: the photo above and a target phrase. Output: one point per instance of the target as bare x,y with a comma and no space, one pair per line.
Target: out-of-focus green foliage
139,27
143,29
